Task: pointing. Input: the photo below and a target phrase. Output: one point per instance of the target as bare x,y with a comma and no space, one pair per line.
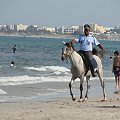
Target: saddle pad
94,63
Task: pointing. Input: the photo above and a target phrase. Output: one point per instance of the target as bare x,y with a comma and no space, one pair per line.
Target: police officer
86,41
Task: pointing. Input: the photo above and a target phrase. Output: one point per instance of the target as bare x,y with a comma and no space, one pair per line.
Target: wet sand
51,91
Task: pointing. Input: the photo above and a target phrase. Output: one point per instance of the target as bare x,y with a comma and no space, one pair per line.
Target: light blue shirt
86,42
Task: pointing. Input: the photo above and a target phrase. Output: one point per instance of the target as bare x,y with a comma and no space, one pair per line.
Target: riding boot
88,55
92,70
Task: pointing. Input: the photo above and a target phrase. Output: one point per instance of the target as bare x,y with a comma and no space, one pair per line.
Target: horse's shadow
108,106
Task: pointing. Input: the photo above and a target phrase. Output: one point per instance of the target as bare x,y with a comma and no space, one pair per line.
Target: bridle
67,54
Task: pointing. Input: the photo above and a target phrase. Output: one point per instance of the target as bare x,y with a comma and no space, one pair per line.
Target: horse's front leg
70,87
81,89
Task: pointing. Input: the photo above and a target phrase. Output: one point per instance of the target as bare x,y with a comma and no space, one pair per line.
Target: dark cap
86,26
116,52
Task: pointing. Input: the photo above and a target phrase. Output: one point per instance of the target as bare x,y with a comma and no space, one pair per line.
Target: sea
39,74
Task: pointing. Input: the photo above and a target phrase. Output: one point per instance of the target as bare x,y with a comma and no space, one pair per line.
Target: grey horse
78,70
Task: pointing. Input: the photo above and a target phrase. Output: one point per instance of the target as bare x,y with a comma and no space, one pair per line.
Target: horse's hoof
104,100
73,98
80,100
86,98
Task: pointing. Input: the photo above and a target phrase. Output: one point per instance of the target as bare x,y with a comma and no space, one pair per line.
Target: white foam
45,68
20,80
55,75
37,69
109,78
53,92
104,78
2,92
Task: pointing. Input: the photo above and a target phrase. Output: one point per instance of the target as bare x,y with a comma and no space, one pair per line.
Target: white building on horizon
72,29
19,27
51,29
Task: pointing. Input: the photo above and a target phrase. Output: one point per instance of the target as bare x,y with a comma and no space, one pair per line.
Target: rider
86,41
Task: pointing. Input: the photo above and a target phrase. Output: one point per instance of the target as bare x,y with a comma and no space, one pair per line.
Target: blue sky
60,12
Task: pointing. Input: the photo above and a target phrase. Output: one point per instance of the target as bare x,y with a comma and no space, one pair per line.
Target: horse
78,70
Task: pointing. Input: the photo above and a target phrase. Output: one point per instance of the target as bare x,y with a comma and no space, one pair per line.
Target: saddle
93,61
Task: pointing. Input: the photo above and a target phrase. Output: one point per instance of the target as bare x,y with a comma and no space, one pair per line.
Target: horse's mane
70,44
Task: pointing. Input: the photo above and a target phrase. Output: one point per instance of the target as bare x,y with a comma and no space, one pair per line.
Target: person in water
116,70
12,63
86,41
14,48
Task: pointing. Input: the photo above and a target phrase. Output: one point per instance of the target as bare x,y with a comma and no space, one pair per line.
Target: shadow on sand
108,106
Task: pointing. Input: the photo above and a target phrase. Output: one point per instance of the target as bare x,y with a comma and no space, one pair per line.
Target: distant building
56,29
1,27
12,27
20,27
61,30
81,29
97,28
71,29
109,28
51,29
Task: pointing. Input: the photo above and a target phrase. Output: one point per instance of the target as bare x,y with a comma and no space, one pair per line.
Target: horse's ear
64,42
68,45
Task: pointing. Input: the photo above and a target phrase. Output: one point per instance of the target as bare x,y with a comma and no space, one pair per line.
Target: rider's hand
103,51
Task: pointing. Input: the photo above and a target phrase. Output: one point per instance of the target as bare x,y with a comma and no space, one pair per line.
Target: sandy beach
64,109
59,106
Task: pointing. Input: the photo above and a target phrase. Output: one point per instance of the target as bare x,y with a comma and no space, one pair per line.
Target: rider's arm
98,44
75,41
101,47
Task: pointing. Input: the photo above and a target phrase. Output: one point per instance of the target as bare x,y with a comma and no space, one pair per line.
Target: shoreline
41,36
52,91
57,36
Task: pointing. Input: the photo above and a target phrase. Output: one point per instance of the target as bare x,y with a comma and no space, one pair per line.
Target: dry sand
64,109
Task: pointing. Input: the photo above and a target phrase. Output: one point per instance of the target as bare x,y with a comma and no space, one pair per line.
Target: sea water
38,62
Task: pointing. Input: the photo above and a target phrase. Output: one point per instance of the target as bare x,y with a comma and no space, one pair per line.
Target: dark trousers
88,56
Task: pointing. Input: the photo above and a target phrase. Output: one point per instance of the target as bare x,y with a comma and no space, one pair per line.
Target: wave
104,78
2,92
20,80
53,92
52,68
109,78
55,74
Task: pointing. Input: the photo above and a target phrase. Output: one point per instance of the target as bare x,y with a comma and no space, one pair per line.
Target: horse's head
67,50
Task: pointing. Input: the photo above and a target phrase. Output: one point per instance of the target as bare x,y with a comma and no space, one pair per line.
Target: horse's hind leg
100,75
70,87
88,87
